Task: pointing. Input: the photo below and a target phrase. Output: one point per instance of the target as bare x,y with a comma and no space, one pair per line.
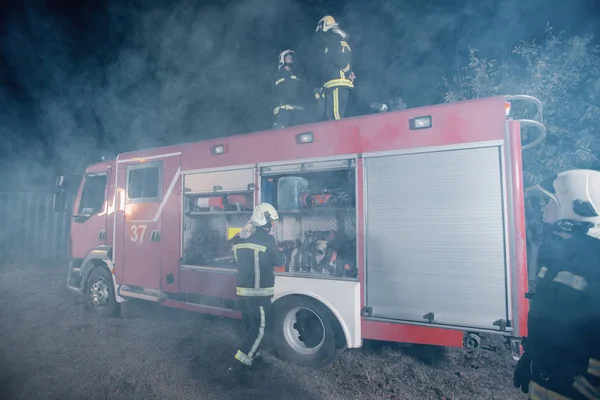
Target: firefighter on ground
256,254
337,76
288,111
561,358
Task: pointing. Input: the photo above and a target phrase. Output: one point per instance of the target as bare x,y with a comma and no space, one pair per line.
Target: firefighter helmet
282,56
263,214
573,201
326,23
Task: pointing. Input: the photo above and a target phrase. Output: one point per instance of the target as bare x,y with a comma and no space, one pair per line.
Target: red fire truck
403,226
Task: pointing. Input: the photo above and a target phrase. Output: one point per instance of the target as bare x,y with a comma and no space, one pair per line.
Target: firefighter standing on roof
288,111
256,254
561,358
337,76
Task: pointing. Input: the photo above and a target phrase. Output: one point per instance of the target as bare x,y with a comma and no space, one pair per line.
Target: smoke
191,72
159,75
141,74
138,74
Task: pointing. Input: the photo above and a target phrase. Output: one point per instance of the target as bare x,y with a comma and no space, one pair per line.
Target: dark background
79,80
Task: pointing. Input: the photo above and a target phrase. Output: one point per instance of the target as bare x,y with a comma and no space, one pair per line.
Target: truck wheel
100,294
303,332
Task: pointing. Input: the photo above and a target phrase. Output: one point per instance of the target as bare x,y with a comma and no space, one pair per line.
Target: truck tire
303,332
100,294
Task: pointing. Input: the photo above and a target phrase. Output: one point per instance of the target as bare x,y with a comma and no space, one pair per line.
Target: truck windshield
92,197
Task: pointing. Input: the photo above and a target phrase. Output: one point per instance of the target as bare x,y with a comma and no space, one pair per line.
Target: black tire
318,351
100,294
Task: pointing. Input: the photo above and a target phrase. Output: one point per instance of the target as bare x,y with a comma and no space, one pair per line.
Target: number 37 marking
137,233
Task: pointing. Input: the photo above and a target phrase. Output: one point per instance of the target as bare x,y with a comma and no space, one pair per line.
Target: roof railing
539,123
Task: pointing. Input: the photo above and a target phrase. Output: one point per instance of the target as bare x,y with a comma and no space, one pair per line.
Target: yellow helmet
326,23
263,213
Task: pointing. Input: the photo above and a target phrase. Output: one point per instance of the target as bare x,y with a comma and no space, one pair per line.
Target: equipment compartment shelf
217,213
215,193
317,210
312,275
282,212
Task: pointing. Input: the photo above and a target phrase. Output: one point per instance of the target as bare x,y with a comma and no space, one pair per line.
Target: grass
50,348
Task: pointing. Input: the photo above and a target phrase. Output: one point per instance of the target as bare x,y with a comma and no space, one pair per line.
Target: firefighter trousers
538,392
336,100
256,315
565,384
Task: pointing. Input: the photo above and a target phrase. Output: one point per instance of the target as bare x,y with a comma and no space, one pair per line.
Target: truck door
436,239
148,224
88,228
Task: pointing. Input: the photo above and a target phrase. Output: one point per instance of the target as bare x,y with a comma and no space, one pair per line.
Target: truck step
74,279
141,293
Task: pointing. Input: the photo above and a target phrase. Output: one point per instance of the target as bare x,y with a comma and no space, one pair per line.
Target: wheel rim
99,293
304,330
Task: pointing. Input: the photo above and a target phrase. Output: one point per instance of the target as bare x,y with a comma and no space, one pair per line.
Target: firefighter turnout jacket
564,321
337,60
256,258
287,90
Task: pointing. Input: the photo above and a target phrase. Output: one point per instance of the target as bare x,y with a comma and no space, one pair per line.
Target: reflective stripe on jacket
256,257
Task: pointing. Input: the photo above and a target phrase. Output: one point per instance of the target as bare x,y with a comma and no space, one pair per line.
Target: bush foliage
564,73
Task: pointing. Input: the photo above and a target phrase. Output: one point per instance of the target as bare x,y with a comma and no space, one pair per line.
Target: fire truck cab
404,226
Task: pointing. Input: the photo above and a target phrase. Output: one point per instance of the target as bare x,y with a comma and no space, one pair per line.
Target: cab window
93,194
143,182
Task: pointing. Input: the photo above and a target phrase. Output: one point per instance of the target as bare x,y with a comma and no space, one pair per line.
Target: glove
522,373
318,93
379,107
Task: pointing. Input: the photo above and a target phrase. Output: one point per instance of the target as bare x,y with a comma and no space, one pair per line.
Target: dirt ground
50,348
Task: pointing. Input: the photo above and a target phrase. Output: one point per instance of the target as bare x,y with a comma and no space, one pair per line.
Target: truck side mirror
60,202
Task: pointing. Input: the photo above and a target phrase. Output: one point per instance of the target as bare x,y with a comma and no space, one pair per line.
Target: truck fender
99,256
341,323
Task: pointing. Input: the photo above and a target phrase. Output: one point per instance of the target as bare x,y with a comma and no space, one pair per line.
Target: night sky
83,79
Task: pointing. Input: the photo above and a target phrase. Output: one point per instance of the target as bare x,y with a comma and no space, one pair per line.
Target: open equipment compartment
316,206
216,206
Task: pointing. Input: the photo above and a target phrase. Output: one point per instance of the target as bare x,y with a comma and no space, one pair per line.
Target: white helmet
574,200
263,213
282,57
